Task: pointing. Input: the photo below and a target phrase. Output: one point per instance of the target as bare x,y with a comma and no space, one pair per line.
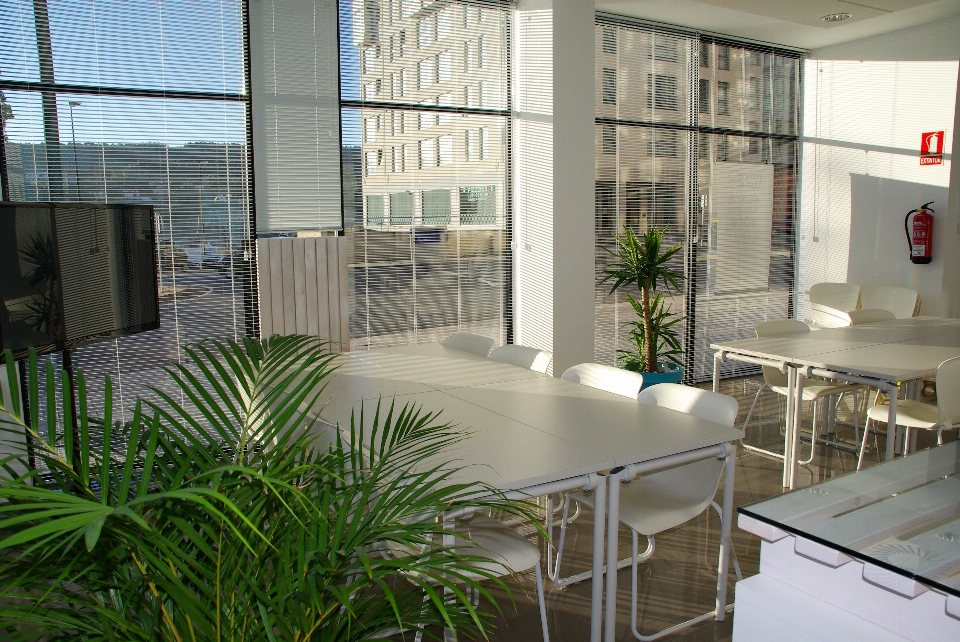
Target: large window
672,153
430,244
136,101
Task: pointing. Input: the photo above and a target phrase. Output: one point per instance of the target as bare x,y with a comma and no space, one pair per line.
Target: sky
184,45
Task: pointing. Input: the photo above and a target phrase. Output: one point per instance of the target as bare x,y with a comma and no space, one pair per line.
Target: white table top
527,428
896,350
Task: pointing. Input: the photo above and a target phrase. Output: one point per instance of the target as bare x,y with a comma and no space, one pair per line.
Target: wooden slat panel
838,496
263,281
289,301
275,261
310,275
333,300
299,285
323,283
933,554
344,302
892,517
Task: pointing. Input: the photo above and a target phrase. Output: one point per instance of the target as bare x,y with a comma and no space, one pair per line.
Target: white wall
865,105
553,179
878,244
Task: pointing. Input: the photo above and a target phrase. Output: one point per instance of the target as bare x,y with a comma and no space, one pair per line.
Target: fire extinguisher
920,233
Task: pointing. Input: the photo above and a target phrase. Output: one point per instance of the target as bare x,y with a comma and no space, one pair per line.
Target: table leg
788,421
725,522
613,531
596,594
716,371
891,425
797,408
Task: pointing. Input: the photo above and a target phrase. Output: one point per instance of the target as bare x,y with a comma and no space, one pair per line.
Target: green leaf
92,532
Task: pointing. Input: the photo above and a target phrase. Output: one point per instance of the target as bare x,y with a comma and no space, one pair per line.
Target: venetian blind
697,135
295,115
425,143
134,101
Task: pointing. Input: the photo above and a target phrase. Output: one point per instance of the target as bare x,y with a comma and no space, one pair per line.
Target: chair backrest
704,404
870,315
839,296
948,392
469,343
826,317
778,328
902,302
531,358
829,302
615,380
691,487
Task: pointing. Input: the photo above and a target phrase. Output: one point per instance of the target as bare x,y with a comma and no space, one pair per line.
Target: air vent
836,17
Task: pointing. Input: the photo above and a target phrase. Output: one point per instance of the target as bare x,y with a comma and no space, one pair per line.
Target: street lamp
73,140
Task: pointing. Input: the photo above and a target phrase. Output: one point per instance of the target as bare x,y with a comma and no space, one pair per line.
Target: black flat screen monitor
74,273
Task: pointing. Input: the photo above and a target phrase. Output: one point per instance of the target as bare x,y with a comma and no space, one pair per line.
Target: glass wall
136,101
699,138
426,136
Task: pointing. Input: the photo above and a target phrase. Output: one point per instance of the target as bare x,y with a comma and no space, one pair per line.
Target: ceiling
795,23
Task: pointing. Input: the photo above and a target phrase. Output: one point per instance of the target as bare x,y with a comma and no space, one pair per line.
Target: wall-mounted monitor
75,273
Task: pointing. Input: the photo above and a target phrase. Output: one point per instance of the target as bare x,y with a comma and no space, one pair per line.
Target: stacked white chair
467,342
830,301
530,358
902,302
654,503
944,415
813,390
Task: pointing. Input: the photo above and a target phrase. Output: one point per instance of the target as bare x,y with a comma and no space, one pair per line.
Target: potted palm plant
221,510
642,261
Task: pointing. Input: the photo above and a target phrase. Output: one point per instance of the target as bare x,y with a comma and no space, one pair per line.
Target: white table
534,435
876,354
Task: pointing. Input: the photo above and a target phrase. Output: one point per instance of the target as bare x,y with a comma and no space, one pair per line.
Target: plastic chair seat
498,543
664,500
814,391
914,414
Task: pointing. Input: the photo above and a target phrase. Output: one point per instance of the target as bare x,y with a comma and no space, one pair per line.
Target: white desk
533,435
877,354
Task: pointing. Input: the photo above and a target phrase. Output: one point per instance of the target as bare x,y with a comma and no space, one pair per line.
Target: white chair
469,343
902,302
813,390
828,302
505,552
870,315
654,503
531,358
615,380
943,415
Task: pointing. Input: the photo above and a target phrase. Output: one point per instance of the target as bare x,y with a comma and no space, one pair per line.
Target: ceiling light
836,17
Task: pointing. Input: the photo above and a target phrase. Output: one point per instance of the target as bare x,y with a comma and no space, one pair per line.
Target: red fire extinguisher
920,233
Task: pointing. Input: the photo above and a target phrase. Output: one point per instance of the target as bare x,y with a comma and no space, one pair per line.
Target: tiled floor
679,581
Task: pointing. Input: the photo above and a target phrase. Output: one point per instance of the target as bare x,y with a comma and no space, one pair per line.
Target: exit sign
931,148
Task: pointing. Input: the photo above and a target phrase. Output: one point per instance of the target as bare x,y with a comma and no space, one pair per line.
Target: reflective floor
679,581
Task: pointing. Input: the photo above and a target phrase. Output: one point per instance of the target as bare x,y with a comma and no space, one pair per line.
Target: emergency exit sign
931,148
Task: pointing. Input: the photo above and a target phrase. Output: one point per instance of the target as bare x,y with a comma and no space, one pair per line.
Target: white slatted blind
426,139
697,135
133,101
296,116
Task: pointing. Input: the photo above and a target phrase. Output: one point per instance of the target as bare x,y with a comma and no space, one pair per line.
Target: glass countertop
900,517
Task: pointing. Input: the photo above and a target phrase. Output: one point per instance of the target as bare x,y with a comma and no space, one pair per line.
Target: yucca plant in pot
642,261
222,511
